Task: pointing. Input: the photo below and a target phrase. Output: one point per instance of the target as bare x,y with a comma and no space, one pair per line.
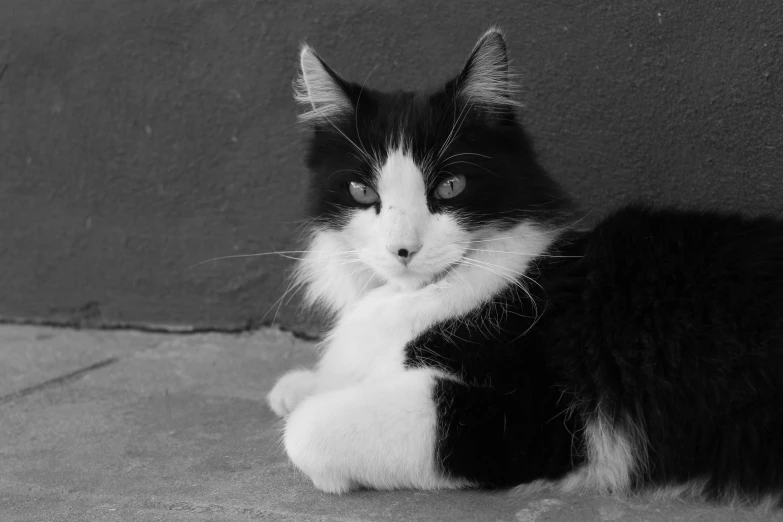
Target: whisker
366,283
531,234
493,239
352,171
470,163
514,282
467,154
360,149
297,221
519,253
459,121
500,267
506,269
279,302
285,253
356,113
297,285
472,262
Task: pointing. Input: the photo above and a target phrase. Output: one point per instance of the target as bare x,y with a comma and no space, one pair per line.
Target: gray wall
138,137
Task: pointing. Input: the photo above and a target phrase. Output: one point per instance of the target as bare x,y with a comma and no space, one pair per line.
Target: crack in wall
249,326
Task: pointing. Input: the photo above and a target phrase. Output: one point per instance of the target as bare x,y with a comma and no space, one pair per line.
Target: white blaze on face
404,214
404,242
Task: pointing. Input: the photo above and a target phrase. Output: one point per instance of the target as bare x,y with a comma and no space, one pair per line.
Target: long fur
482,340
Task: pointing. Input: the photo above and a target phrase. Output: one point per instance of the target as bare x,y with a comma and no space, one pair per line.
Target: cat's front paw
317,442
380,434
291,389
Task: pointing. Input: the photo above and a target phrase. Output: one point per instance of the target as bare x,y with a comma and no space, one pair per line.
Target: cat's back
688,254
678,322
693,294
655,277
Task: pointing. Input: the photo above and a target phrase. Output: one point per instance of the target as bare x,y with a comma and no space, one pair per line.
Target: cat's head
403,184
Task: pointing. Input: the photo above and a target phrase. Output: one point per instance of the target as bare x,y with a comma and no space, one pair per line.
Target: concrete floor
122,425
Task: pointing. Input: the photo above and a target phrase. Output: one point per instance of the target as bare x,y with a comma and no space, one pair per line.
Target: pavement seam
57,381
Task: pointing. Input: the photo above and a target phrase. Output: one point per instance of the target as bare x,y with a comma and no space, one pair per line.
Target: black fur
667,321
673,319
505,183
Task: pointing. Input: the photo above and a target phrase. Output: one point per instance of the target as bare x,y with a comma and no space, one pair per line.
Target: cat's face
405,186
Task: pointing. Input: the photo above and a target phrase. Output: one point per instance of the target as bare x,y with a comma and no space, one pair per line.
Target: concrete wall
138,137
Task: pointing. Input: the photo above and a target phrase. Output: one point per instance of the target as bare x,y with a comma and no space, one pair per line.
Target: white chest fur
369,338
375,323
361,418
368,341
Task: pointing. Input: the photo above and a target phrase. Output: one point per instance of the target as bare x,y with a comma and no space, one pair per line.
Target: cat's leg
369,337
381,434
417,429
290,390
499,437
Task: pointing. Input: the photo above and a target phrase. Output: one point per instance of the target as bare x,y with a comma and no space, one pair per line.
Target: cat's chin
407,280
408,283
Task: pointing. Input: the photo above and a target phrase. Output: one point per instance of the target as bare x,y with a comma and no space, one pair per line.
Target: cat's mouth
410,277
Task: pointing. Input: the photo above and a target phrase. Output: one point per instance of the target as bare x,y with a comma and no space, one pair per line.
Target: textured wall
138,137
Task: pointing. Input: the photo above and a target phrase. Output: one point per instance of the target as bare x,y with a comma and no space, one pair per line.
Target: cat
480,338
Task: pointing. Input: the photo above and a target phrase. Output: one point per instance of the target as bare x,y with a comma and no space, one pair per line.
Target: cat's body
479,340
662,386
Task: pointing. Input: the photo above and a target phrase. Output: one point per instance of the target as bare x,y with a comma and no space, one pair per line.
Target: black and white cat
478,339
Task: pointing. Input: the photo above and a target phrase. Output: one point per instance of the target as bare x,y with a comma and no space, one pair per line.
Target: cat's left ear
484,81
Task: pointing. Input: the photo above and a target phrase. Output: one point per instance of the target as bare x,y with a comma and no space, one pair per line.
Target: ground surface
121,425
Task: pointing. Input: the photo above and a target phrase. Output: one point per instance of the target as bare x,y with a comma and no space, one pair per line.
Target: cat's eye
450,187
362,193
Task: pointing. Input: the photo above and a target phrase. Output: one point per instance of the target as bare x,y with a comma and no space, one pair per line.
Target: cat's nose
404,253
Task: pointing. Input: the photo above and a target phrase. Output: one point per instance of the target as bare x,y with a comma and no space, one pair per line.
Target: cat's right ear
485,81
320,90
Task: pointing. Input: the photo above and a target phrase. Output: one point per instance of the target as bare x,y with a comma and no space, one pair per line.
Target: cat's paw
380,434
291,389
317,446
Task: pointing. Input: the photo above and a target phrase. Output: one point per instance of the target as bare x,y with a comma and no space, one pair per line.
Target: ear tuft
484,80
319,89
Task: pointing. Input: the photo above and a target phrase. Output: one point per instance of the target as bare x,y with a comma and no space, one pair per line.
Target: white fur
405,216
361,418
291,389
331,272
405,222
487,82
365,420
614,454
379,434
361,381
340,267
369,339
316,89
